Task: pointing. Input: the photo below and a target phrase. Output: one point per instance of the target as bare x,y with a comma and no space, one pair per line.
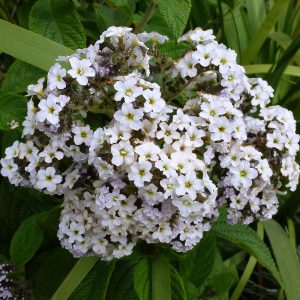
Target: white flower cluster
154,172
9,288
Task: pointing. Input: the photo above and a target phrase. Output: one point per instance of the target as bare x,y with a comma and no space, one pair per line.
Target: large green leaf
12,108
260,36
246,238
142,279
197,264
175,14
29,46
121,286
74,278
107,16
94,285
26,241
286,258
58,21
19,76
177,286
47,270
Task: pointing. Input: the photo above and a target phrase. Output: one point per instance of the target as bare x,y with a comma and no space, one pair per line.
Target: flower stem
147,16
161,280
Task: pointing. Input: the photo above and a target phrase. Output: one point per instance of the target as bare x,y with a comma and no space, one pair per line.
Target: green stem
147,16
248,270
161,279
292,233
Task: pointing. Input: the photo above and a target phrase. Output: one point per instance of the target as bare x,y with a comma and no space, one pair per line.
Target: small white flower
50,153
168,132
147,151
189,184
139,173
81,70
186,205
9,168
49,110
83,134
55,77
264,169
47,178
127,90
220,129
129,117
243,175
154,102
122,152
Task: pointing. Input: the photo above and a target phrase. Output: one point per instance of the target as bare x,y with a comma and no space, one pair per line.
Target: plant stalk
161,278
147,16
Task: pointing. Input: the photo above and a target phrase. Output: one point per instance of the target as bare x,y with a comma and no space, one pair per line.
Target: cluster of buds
145,147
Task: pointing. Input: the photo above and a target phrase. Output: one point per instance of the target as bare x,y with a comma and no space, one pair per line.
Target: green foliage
121,285
74,278
142,279
247,239
198,263
19,76
13,39
48,270
26,241
94,285
58,21
175,15
286,258
12,108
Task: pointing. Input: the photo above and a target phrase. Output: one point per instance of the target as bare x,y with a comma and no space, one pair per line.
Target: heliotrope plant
186,136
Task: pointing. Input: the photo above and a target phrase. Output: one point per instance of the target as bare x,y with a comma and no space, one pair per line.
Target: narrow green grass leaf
265,68
286,258
30,47
77,274
285,41
260,36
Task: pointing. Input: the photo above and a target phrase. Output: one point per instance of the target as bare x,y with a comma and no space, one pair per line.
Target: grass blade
30,47
265,68
287,261
76,275
284,42
263,32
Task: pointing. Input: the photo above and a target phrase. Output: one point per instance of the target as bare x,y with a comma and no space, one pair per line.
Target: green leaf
47,270
275,76
30,47
260,36
197,264
26,241
172,48
19,76
177,286
175,14
286,258
121,285
12,108
107,16
264,68
142,279
285,41
58,21
246,238
94,285
74,278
